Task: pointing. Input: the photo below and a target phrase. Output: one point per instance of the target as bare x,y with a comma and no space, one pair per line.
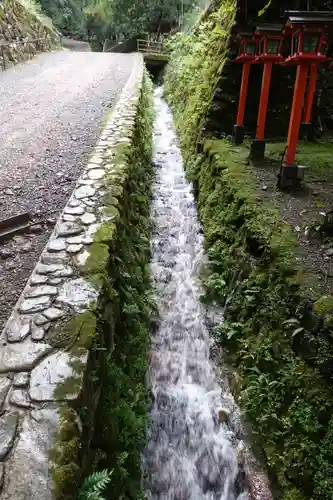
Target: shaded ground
51,110
75,45
301,209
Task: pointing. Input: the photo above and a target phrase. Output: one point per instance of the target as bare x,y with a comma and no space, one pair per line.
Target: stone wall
45,344
19,32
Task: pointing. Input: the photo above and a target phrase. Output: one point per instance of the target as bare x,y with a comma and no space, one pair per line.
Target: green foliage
105,19
126,310
252,260
94,485
196,63
67,15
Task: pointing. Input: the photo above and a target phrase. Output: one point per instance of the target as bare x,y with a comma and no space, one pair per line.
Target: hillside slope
19,30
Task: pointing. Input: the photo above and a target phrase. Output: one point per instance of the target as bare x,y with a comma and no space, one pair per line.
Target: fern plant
94,485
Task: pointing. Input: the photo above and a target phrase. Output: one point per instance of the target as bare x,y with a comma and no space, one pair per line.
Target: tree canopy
102,19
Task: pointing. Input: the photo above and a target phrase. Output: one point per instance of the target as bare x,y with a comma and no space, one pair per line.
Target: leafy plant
94,485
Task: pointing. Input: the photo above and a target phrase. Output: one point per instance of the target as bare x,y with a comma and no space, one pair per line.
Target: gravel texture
51,111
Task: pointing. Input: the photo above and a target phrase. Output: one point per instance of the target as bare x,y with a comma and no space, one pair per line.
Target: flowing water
192,440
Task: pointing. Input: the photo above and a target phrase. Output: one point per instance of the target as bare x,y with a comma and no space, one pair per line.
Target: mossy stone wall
278,337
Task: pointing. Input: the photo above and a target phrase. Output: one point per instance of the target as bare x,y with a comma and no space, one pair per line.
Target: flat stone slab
38,279
96,173
8,426
68,229
56,245
84,192
20,397
78,294
38,291
79,210
88,219
5,384
53,313
27,469
21,357
46,376
18,328
35,305
21,379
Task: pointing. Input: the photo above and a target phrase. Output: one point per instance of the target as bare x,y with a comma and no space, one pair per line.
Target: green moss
195,66
66,472
268,321
113,401
79,330
316,156
97,260
106,233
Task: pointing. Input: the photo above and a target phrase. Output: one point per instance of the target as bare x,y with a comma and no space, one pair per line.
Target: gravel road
51,111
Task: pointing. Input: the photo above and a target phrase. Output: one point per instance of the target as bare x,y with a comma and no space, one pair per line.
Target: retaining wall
22,35
45,344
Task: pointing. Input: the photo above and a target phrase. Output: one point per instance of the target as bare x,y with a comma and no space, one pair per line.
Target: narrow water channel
192,444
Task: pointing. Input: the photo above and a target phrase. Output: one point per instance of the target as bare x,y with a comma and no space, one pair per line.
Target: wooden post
258,145
296,114
310,94
238,135
243,94
265,86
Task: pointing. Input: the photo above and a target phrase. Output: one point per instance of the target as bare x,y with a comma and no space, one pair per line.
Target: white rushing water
191,453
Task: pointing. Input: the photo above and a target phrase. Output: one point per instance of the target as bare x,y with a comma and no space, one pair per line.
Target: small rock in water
224,416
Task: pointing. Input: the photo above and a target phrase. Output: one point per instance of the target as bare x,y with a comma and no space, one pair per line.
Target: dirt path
51,110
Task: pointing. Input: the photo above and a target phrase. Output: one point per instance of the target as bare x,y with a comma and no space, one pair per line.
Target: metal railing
151,48
30,47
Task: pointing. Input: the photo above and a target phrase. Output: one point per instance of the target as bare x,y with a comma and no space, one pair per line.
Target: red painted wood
243,94
296,113
265,86
311,92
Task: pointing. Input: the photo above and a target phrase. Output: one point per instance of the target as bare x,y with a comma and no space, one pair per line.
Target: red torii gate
309,32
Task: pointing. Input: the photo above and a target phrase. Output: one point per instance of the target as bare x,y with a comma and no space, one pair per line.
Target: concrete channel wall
40,347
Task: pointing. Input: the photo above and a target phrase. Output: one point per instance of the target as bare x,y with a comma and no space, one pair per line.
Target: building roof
315,17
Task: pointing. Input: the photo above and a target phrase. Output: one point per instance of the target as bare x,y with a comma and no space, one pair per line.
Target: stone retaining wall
22,35
45,343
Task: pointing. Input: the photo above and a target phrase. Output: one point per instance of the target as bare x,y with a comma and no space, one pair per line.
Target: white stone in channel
78,294
84,192
53,370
